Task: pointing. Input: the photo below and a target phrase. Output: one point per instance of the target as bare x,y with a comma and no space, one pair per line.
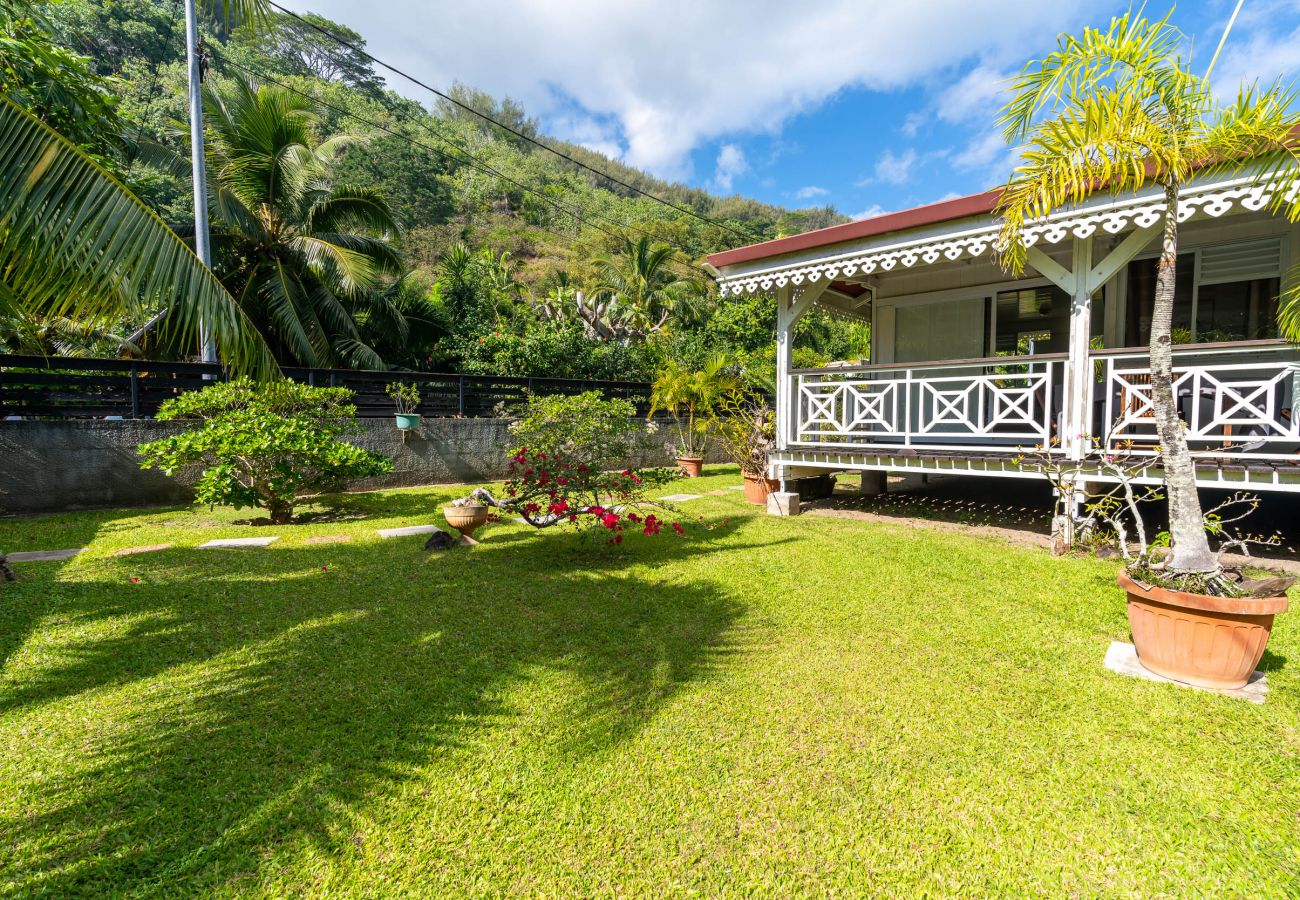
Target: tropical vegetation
265,445
1119,110
399,237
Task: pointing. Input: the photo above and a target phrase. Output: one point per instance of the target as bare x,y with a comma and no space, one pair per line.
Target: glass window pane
1142,299
1239,311
1033,320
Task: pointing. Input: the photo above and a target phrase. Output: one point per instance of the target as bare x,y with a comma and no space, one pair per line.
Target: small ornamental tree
265,445
569,468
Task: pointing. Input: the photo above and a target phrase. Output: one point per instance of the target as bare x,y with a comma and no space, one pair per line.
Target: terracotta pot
757,488
465,518
1213,642
693,465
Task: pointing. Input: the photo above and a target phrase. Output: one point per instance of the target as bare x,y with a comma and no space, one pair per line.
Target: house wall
981,278
50,466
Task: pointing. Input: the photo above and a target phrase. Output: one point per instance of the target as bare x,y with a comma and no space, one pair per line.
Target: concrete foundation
50,466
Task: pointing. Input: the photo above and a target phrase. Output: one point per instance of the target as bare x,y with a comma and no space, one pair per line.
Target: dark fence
68,387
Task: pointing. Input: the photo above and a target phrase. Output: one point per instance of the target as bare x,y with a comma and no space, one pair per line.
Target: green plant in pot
406,397
1119,110
745,426
690,396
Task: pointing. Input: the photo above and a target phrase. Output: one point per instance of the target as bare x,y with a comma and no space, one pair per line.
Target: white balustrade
988,404
1236,400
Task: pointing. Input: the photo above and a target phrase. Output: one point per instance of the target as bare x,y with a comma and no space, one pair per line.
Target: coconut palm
1119,110
638,292
75,243
307,259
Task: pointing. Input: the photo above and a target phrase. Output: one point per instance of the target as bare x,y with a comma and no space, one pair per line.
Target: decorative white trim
1112,217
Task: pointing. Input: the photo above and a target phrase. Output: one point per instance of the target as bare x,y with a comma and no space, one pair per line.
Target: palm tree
637,290
307,259
1119,110
75,243
691,396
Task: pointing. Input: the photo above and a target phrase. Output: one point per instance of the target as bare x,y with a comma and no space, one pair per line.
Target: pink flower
135,580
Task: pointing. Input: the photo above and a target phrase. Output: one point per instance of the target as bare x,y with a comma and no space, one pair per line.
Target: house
970,366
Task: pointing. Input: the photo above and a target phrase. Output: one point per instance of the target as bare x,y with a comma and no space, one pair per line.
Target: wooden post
1078,396
785,407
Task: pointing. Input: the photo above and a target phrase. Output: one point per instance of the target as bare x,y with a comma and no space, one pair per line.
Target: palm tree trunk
1191,547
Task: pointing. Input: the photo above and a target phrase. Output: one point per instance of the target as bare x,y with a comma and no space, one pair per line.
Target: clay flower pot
466,518
693,465
1213,642
757,488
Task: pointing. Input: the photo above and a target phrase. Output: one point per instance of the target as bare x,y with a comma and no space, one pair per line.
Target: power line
529,138
469,160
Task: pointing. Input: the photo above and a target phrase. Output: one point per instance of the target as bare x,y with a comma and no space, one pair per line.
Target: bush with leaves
265,444
568,467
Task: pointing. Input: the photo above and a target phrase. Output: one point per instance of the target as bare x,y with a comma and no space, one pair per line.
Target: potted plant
746,430
406,397
689,397
1120,110
466,515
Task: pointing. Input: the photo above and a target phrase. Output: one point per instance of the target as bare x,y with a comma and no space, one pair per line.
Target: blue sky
872,107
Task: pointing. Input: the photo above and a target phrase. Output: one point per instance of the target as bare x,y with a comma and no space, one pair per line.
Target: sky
870,106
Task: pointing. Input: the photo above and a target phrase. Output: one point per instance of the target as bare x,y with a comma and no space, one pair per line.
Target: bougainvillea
570,469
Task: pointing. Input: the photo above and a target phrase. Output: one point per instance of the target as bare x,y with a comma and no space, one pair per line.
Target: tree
1119,110
297,44
636,292
265,445
307,259
56,207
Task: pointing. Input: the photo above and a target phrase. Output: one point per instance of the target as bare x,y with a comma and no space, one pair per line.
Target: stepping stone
735,487
235,543
680,498
329,539
408,531
1123,658
43,555
147,548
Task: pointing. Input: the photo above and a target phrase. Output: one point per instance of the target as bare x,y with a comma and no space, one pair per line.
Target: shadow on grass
281,697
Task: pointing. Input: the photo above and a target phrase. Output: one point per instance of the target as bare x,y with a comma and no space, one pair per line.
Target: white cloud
809,192
892,168
731,162
1261,55
870,212
976,96
692,72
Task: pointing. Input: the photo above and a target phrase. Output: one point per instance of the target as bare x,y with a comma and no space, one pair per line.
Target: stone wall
79,464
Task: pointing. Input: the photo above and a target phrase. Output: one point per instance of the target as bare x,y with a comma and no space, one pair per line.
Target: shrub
264,445
569,467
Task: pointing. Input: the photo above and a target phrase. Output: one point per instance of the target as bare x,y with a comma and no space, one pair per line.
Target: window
1223,293
1037,320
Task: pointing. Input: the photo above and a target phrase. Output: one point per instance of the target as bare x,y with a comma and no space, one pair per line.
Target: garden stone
783,503
238,543
408,531
680,498
43,555
1122,657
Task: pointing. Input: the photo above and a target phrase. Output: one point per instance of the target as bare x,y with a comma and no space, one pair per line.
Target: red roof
930,214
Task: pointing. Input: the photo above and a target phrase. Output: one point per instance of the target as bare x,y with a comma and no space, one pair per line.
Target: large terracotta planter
1213,642
693,465
757,488
466,519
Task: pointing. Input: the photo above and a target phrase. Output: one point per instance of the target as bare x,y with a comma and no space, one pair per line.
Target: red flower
324,568
135,580
609,520
677,527
531,508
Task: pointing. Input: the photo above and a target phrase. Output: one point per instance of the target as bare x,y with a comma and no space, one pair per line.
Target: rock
1266,587
439,540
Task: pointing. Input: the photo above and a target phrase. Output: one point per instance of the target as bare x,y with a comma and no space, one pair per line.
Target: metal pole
202,244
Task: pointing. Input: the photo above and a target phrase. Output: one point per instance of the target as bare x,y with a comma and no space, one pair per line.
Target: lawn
773,706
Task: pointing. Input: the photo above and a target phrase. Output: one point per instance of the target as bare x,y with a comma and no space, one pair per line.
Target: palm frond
75,242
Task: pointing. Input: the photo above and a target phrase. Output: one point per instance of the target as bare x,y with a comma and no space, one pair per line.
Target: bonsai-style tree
569,466
265,445
746,429
690,396
405,396
1119,110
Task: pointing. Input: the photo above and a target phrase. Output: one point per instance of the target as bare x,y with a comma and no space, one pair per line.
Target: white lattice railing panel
978,405
1233,402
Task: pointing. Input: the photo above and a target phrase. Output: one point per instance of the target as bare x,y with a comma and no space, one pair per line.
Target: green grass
774,706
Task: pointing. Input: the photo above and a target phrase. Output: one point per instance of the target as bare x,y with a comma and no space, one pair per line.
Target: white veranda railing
978,404
1236,399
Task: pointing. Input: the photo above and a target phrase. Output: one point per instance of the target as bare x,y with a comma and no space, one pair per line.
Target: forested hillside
358,227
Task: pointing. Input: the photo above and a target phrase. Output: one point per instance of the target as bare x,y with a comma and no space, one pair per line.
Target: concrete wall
60,465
